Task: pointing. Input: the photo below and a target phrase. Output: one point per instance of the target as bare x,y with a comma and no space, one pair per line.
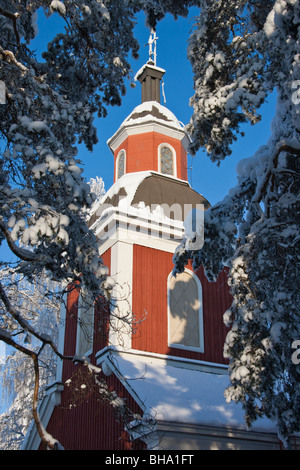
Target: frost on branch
233,75
49,109
241,51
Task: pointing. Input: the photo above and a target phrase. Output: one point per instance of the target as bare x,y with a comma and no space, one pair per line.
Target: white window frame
174,159
117,163
200,348
90,314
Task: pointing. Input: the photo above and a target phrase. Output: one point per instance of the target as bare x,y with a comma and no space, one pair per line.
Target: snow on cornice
149,113
150,66
152,110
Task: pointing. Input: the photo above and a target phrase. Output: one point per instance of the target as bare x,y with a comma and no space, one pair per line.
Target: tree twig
13,17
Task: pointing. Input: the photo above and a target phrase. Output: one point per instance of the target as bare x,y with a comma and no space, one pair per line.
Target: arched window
185,315
167,160
121,161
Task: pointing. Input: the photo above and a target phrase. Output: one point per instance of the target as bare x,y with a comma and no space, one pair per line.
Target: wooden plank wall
151,269
84,421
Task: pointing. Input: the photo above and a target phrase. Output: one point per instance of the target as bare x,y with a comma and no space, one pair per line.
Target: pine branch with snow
240,52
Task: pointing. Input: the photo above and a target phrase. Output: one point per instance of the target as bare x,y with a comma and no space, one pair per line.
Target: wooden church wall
83,420
101,324
151,269
143,151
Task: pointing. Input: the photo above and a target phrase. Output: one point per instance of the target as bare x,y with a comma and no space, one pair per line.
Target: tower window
185,312
121,163
167,160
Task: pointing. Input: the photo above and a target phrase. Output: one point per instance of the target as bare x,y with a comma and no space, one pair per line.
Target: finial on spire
150,75
152,46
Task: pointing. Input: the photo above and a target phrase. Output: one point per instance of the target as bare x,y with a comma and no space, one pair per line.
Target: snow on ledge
167,117
150,66
171,390
149,113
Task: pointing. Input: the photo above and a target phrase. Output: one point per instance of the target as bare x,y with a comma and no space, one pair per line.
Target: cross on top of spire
150,75
152,46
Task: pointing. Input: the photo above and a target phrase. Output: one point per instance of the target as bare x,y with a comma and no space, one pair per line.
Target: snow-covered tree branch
49,108
241,51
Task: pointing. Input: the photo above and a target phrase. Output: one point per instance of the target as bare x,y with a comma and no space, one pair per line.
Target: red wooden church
159,341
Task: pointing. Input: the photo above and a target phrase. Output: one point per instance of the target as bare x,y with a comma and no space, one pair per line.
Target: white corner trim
51,399
120,226
61,337
121,272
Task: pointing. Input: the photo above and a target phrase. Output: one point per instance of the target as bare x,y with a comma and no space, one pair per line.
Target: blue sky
205,177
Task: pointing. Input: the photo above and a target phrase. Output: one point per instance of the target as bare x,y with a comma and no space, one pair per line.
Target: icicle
163,91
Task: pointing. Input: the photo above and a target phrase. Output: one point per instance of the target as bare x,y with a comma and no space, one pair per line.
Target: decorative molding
51,399
206,437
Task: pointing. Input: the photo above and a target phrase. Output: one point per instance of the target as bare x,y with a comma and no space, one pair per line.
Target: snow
194,229
109,283
57,5
170,390
28,124
97,187
253,167
167,116
19,226
54,163
150,66
104,11
130,182
117,62
34,25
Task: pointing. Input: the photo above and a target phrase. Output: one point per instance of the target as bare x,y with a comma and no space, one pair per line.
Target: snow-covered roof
146,117
149,66
121,192
130,182
178,390
144,191
154,111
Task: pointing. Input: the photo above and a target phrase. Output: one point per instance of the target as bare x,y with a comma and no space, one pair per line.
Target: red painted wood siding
88,422
151,269
84,421
101,324
142,153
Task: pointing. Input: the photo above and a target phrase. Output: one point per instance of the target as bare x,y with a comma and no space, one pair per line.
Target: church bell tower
158,341
140,223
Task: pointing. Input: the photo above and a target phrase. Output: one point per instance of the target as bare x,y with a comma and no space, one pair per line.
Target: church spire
150,75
